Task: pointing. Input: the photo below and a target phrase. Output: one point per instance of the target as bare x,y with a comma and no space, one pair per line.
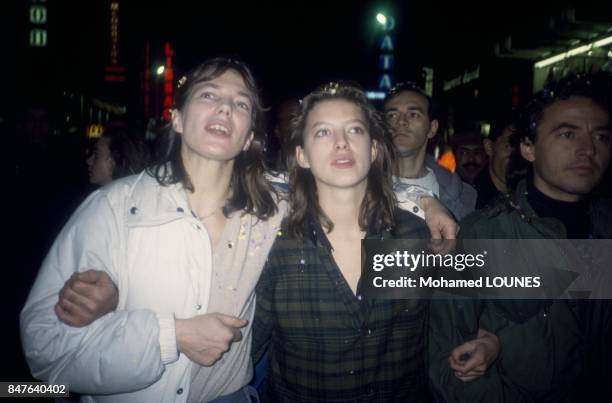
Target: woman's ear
301,157
177,121
248,142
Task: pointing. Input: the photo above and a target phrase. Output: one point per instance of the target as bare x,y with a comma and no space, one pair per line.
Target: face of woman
337,145
100,163
215,123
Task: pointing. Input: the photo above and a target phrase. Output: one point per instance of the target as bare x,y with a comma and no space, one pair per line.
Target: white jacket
135,230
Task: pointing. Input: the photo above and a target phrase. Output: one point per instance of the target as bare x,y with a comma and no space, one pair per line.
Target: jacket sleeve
452,323
119,352
409,195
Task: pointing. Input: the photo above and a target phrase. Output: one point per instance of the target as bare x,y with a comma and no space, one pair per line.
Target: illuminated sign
386,60
168,81
461,79
115,72
387,44
385,82
114,25
94,131
38,37
38,20
376,94
38,14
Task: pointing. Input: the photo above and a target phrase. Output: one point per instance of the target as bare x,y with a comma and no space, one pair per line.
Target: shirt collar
316,232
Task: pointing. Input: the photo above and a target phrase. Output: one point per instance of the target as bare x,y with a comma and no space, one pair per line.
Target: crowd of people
189,266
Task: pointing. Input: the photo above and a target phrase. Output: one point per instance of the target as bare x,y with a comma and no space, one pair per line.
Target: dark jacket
545,345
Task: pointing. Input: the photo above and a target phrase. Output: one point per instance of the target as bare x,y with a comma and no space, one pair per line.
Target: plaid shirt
326,346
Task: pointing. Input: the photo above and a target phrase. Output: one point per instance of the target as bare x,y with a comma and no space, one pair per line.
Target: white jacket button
179,391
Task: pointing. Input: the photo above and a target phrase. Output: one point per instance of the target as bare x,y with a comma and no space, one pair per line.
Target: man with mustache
409,112
470,155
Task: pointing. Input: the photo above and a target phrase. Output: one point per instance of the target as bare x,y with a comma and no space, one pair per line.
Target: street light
160,70
381,18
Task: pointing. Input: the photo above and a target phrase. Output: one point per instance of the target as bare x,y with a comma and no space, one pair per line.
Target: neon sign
38,20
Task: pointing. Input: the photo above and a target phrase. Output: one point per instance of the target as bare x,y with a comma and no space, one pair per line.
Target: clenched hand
86,297
205,338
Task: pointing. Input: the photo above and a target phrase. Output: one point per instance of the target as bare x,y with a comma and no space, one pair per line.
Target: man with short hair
491,182
551,350
284,113
409,113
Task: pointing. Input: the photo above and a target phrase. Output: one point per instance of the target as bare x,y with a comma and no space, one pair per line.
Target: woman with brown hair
326,341
184,244
181,243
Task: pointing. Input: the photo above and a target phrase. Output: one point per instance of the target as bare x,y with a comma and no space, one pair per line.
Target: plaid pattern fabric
324,347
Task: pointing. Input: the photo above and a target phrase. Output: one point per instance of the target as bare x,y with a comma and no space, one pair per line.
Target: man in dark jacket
491,182
551,351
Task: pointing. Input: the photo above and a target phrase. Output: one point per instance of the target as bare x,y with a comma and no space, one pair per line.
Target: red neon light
168,81
115,78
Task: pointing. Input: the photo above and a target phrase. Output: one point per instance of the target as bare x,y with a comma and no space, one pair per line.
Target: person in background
285,112
469,154
410,115
491,182
117,153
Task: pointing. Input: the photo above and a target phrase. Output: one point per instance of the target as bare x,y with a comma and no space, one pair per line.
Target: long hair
379,203
250,191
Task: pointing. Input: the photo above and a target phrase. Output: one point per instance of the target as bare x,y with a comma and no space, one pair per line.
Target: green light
38,37
160,70
381,18
38,14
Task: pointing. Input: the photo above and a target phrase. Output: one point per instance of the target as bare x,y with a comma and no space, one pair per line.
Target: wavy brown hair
250,191
379,203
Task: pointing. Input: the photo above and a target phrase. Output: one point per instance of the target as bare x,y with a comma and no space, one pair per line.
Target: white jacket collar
149,203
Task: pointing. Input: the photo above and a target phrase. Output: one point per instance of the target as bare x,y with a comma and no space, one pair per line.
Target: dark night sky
292,46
